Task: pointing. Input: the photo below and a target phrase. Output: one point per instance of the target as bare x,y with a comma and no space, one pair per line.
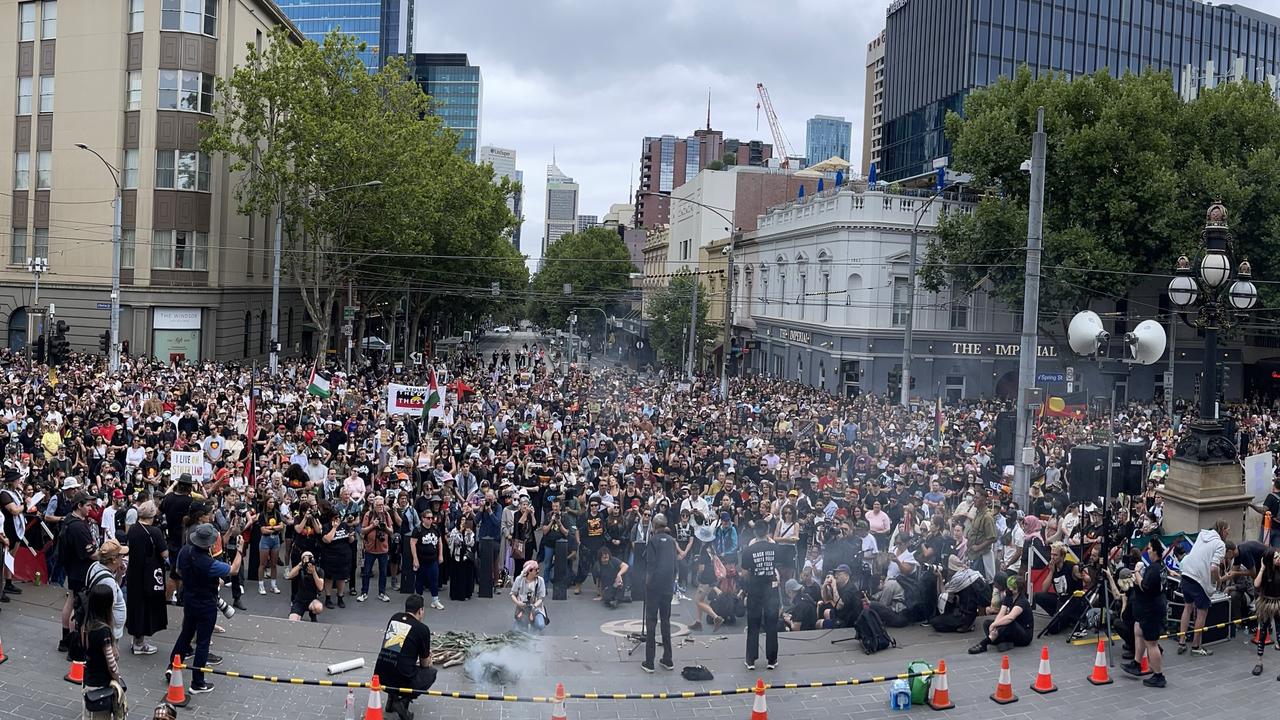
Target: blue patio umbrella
839,178
801,194
871,176
819,184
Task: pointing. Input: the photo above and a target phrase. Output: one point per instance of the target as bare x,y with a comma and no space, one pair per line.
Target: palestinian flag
432,400
1070,405
319,384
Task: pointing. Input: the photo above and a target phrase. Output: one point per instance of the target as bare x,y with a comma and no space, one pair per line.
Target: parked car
502,330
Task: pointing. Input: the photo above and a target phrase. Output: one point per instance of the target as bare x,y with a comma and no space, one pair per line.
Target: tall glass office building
455,89
362,18
827,136
939,50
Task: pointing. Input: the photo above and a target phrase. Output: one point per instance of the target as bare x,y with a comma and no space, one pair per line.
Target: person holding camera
553,531
377,528
308,584
306,535
529,592
201,574
337,552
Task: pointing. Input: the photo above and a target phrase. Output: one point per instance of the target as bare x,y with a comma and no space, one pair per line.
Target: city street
578,653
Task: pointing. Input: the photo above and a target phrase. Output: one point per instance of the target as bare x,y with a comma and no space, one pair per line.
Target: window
128,247
44,170
133,90
193,16
179,250
959,313
135,15
129,174
24,96
182,170
41,249
900,301
248,323
26,28
18,247
48,19
22,171
46,94
185,90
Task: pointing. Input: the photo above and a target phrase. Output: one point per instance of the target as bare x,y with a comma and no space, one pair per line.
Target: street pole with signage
1023,457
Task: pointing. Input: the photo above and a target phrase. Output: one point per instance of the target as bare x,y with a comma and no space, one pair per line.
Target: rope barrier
1166,636
493,697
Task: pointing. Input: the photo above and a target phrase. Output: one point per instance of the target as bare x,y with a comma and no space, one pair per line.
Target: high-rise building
873,106
361,18
130,82
456,94
562,207
587,221
503,162
397,25
667,162
827,136
937,52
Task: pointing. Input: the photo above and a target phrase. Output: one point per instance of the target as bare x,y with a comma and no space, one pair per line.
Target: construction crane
779,139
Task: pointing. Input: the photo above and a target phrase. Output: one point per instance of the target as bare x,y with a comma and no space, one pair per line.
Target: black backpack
871,632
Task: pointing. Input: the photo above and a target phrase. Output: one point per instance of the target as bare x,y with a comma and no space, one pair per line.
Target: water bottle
349,712
38,581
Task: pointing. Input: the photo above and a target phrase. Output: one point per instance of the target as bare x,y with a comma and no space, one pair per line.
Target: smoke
503,667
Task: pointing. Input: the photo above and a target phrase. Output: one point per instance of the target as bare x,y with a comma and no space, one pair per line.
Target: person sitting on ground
1014,625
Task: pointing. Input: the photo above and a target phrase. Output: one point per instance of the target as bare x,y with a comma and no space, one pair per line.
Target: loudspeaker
1006,438
1086,473
484,562
1133,463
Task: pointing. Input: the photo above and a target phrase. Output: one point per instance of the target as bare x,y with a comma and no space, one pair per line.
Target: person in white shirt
901,562
1201,569
108,521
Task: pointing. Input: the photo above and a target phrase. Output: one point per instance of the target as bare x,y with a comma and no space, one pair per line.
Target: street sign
1168,380
1071,374
102,306
1051,377
349,312
347,329
416,358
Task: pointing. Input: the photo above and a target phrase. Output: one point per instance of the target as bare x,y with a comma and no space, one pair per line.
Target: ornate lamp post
1217,299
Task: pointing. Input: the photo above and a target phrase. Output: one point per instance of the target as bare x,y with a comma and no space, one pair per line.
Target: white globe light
1182,290
1243,295
1215,268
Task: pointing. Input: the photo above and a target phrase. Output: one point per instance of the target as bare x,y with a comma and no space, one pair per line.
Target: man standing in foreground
1201,570
405,658
201,574
759,562
660,561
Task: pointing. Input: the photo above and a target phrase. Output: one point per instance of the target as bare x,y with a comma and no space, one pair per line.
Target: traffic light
895,382
59,346
104,341
39,351
735,347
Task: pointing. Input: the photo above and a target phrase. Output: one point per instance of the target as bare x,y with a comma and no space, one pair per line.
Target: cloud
590,79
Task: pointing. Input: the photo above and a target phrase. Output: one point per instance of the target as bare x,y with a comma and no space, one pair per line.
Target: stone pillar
1198,494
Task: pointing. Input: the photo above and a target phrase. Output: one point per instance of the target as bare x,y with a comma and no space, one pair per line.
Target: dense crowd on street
534,475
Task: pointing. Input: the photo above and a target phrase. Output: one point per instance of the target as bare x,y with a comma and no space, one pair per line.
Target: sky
589,79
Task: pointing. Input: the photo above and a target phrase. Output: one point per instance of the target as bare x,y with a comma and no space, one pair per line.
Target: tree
715,165
595,263
310,127
1131,169
670,312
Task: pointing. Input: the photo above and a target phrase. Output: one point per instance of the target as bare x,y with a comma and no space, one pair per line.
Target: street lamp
275,271
1217,299
113,356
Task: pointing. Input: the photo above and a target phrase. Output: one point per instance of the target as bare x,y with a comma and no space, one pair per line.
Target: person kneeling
1014,624
612,574
306,599
404,661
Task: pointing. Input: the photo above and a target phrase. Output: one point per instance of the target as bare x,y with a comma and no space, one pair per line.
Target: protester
104,686
1201,571
1150,613
200,576
529,594
404,660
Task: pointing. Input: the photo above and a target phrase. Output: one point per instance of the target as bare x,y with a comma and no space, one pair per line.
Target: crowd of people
787,507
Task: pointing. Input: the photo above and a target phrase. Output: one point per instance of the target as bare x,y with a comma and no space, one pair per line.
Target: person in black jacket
77,544
660,562
759,564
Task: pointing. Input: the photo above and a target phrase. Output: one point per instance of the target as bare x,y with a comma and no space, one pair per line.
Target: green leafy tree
1131,169
670,312
596,264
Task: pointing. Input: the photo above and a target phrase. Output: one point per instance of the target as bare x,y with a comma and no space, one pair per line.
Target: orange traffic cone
1004,686
939,695
760,709
1044,678
1145,667
1100,676
558,712
177,692
373,711
2,657
76,673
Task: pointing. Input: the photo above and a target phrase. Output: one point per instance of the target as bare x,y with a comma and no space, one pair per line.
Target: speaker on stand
1087,473
1006,438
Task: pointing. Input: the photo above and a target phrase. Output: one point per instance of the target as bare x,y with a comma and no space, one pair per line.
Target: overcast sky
591,78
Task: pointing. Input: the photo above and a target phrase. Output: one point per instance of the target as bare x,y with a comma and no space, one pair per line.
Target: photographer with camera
377,528
553,530
308,584
238,518
306,534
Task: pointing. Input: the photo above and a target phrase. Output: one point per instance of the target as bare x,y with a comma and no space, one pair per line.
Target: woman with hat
146,614
528,593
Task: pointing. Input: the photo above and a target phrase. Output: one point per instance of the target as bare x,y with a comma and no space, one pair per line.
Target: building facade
503,162
873,106
131,80
937,52
587,221
827,136
360,18
667,162
561,215
456,91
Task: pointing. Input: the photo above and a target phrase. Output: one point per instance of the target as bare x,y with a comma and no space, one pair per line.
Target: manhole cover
626,628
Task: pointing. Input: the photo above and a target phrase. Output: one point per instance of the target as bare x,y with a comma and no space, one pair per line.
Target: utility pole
113,353
351,301
1023,458
728,320
275,291
1173,346
691,358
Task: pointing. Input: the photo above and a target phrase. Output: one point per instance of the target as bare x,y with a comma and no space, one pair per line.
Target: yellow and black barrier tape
1166,636
496,697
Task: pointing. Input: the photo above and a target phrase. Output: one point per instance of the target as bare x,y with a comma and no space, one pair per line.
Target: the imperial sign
1001,349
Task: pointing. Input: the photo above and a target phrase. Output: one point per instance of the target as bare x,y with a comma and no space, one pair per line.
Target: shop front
175,335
